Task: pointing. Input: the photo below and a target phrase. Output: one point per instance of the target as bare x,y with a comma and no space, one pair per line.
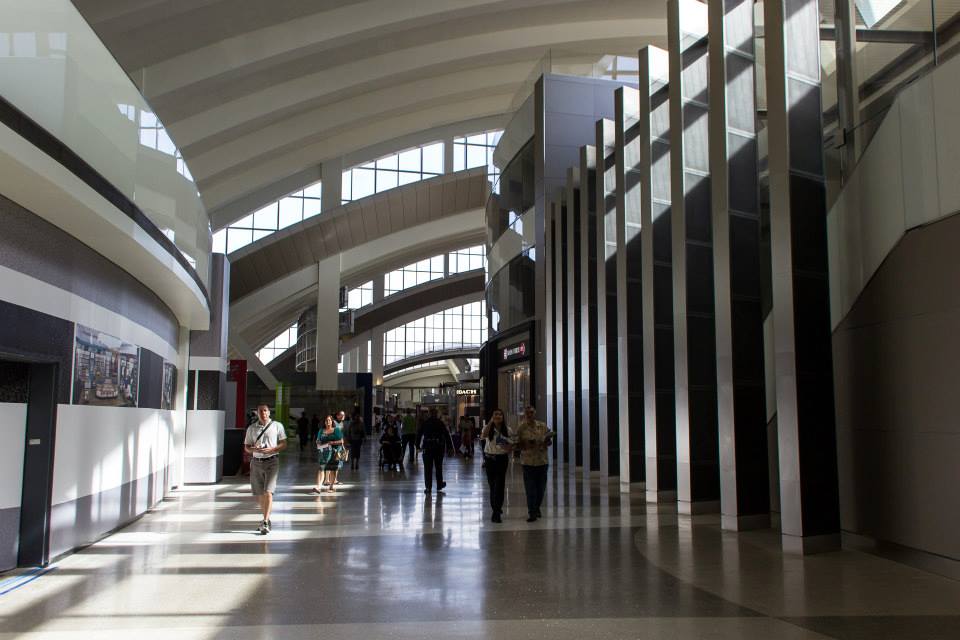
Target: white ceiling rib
255,93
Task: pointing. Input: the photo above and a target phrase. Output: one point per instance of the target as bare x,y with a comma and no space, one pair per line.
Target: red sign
518,350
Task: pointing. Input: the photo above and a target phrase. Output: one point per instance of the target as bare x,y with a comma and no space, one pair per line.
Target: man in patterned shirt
533,439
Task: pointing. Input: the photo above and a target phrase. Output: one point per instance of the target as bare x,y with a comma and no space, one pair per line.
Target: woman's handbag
343,454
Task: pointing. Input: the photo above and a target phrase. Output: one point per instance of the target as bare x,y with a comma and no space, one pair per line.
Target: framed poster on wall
106,370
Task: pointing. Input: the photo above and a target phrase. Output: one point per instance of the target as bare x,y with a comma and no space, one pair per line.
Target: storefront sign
518,350
466,392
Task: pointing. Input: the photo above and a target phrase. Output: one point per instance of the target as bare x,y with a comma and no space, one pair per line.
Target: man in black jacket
433,439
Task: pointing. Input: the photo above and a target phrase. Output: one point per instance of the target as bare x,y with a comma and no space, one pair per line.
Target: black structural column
741,401
549,254
660,434
698,481
560,323
574,331
563,372
589,407
607,298
629,288
806,427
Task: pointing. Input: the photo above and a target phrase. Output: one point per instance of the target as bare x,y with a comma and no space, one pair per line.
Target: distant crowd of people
337,439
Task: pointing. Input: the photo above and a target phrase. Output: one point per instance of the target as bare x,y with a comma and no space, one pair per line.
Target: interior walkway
379,559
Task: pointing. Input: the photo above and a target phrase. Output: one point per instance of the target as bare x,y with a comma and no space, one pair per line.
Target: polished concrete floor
379,559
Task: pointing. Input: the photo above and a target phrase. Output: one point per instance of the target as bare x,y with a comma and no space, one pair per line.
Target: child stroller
390,456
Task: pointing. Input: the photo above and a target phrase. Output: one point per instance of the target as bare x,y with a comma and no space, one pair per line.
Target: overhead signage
466,392
518,350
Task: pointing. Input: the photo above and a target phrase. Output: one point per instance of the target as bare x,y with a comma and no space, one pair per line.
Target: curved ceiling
255,92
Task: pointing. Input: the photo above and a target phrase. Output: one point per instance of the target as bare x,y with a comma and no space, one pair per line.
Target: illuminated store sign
518,350
466,392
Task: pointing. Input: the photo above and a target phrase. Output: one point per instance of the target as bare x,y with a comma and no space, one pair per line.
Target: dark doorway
34,547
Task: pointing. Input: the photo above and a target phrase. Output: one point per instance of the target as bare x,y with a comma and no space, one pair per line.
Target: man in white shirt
264,441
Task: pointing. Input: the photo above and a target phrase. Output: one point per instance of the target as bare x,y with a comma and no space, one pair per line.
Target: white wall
110,465
13,425
203,446
906,178
13,429
103,448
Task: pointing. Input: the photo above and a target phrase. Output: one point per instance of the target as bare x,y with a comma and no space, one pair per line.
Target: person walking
303,430
356,434
264,441
329,446
342,422
533,439
466,436
408,436
496,455
433,439
314,427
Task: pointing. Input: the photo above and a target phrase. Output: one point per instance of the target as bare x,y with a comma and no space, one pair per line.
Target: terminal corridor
380,559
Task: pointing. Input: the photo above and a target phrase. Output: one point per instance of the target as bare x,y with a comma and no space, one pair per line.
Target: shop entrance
513,391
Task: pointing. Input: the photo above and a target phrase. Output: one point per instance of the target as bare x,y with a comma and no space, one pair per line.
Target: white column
328,321
331,174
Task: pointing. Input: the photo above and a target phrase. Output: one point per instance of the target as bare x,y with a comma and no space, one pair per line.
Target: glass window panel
238,238
386,180
345,185
261,233
164,143
291,212
409,279
410,160
148,138
220,241
436,264
390,162
311,207
246,221
459,152
369,165
148,119
405,177
314,191
363,183
433,158
478,138
476,156
265,218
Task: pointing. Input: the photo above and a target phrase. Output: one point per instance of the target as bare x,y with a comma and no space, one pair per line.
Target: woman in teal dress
329,446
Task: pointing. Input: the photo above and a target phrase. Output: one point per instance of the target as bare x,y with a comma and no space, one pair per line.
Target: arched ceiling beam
261,196
272,45
304,244
444,56
314,125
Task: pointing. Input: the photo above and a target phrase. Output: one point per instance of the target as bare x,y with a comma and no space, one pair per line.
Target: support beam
629,288
328,322
561,328
698,481
590,409
607,299
659,403
806,428
253,362
574,328
550,327
741,409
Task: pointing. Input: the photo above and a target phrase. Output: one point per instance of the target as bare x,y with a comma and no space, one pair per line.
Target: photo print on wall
169,386
106,371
